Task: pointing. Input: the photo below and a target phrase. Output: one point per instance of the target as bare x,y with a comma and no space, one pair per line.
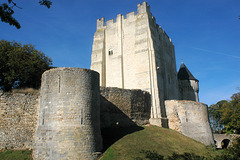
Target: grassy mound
151,140
135,143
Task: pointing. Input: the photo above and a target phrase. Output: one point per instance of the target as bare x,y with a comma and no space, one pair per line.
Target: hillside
151,139
130,143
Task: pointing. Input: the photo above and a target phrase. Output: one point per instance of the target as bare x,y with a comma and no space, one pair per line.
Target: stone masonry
118,108
68,126
18,119
191,119
124,107
136,53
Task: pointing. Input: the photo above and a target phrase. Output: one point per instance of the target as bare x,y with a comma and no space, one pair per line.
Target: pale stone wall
190,118
68,126
135,53
164,74
98,58
127,66
18,119
124,107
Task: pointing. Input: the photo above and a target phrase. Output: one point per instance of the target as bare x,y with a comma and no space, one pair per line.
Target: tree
6,11
215,116
21,65
225,115
230,113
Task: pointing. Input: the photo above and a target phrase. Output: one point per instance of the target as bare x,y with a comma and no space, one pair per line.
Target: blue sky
206,35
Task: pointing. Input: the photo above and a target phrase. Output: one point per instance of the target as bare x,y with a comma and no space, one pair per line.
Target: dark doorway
225,143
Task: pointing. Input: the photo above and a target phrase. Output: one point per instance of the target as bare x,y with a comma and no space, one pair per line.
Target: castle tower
69,115
188,84
134,52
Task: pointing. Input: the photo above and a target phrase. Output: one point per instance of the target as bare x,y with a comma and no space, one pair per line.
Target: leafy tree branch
21,66
225,115
7,11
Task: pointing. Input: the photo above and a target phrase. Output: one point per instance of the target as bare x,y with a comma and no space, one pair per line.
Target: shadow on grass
153,155
111,135
115,124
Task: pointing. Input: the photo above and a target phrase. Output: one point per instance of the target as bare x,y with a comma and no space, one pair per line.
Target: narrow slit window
110,52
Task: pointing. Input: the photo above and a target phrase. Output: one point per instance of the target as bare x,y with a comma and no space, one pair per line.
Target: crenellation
119,17
110,22
153,21
131,15
100,23
142,8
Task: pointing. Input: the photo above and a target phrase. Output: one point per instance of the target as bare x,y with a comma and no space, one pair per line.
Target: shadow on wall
114,123
112,116
124,107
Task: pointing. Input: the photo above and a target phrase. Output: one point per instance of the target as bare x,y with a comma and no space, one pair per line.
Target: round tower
188,84
69,115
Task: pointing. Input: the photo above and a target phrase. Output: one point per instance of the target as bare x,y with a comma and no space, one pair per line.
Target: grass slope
154,139
128,144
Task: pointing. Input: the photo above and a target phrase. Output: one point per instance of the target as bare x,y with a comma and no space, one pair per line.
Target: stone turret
69,115
188,84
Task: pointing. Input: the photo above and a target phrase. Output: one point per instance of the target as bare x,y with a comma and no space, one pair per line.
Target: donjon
136,53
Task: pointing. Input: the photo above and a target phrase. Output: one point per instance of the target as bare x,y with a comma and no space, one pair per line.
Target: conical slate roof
185,74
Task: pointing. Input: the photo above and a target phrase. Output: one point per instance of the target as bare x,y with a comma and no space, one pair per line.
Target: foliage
231,153
231,114
21,66
225,115
6,11
215,116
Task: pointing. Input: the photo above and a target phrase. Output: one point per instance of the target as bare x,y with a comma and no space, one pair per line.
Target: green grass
16,155
137,142
154,139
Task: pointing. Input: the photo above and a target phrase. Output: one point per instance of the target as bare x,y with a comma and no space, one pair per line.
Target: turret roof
185,74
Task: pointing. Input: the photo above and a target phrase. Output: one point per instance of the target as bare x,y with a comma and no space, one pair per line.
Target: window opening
110,52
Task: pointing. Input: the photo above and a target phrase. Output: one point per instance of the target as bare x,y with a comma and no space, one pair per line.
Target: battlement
141,8
160,29
100,23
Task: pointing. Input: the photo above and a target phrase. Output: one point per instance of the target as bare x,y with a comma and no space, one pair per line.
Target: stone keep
134,52
68,126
